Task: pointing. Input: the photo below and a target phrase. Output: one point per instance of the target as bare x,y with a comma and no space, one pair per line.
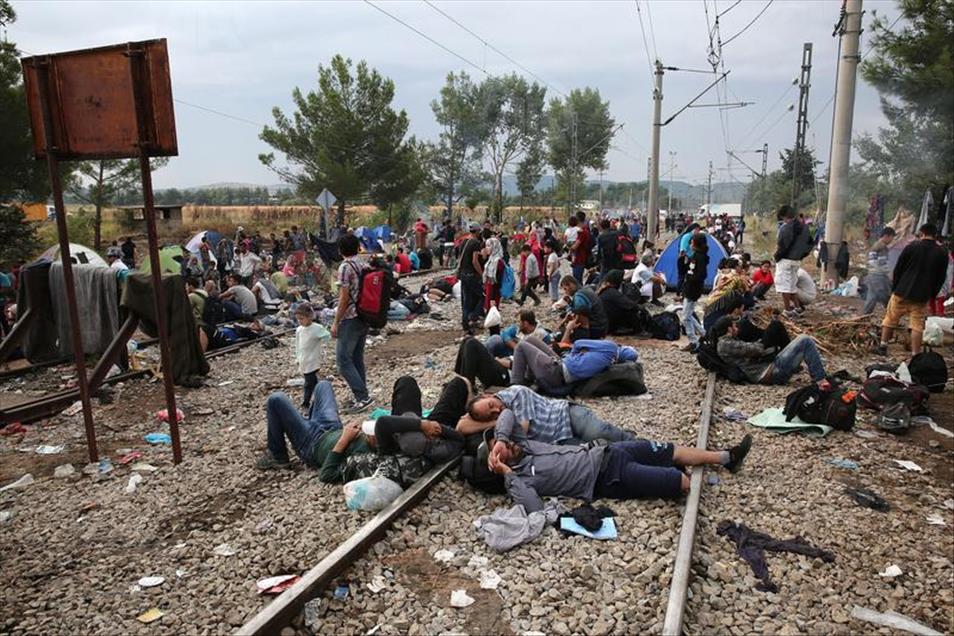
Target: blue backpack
508,284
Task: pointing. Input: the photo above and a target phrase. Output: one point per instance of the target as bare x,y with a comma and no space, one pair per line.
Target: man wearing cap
114,257
470,271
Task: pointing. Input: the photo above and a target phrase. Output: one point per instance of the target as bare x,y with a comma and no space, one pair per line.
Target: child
529,274
308,338
551,249
762,280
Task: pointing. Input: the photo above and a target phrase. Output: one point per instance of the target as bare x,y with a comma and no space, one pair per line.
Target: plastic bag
493,318
933,334
371,493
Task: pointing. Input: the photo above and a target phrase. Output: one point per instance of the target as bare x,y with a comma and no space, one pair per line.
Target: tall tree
512,126
777,188
529,172
453,161
579,131
346,137
913,71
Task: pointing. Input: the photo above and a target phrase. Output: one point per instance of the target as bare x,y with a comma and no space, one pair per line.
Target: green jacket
330,463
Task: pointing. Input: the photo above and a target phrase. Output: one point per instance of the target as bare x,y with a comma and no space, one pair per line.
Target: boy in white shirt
308,339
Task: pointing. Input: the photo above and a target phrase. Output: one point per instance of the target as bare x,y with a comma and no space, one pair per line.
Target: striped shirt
549,419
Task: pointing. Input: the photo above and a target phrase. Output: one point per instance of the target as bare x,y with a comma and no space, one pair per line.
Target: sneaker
737,454
791,313
357,406
268,462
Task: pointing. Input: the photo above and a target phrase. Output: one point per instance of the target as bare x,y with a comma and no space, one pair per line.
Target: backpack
928,369
709,359
879,391
834,407
665,326
508,282
623,378
627,251
895,418
213,313
401,469
374,295
480,477
426,258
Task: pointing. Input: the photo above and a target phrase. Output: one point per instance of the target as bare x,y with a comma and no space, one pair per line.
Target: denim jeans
349,352
578,272
587,426
789,360
471,298
690,322
284,420
555,286
497,348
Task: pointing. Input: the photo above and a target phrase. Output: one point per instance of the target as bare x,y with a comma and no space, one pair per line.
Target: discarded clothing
868,499
39,343
507,528
751,546
589,517
605,531
774,420
97,300
188,361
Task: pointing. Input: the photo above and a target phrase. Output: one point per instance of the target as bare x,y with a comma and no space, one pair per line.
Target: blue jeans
284,420
497,348
790,359
587,426
349,353
555,286
690,322
578,272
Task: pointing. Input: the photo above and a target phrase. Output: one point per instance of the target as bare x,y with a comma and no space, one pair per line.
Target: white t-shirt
118,265
570,234
247,263
642,276
553,264
308,351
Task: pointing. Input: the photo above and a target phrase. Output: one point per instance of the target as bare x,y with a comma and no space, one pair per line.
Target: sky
244,58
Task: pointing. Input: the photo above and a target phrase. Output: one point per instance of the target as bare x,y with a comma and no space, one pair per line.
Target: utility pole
802,126
652,214
649,170
573,149
764,174
709,191
601,191
841,136
672,167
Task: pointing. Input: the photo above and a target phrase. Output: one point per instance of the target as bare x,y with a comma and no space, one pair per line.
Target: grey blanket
507,528
97,298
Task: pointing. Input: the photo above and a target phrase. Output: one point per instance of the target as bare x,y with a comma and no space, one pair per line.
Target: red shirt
763,277
402,263
581,255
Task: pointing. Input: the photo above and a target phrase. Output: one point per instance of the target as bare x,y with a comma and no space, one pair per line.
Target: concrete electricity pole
709,191
762,182
652,214
841,136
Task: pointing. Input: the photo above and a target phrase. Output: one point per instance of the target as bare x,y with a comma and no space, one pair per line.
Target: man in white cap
114,257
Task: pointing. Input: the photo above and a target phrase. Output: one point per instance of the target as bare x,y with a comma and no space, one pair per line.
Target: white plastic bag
933,334
493,318
371,493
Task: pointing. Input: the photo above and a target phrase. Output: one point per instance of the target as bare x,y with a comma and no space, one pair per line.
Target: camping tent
213,239
79,254
667,261
170,258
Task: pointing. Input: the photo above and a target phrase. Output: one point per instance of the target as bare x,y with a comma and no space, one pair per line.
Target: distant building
168,217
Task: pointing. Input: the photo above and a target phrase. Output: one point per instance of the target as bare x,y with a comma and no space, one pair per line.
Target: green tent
170,258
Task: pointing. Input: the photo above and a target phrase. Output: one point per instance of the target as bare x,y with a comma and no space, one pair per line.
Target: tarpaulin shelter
369,241
211,236
667,263
79,254
382,233
170,260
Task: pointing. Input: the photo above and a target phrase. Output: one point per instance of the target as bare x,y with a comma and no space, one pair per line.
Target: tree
346,137
511,126
913,72
579,131
17,236
529,172
453,162
777,188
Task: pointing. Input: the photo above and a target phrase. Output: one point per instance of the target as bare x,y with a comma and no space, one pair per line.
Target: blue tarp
382,232
667,262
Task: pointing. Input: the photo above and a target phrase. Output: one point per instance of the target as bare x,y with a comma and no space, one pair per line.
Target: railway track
280,612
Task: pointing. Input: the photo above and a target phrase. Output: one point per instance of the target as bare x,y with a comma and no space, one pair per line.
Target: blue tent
667,261
382,233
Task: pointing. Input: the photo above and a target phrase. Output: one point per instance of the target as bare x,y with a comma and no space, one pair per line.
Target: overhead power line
649,60
652,29
746,27
734,5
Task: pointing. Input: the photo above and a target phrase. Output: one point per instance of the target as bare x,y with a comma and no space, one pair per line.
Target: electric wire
652,30
746,27
649,61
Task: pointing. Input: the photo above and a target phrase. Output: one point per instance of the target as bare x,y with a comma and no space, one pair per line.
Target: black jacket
794,241
920,271
696,275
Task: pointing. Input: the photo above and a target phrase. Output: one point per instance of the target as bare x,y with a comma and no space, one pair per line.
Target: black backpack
426,258
815,405
623,378
928,369
213,313
710,360
665,326
879,391
480,477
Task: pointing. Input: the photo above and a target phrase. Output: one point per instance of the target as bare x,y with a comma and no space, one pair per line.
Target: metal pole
802,125
43,84
709,191
764,166
672,157
841,136
136,62
652,214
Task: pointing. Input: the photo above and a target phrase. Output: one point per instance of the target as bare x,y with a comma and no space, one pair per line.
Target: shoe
880,350
357,406
737,454
691,347
268,462
791,313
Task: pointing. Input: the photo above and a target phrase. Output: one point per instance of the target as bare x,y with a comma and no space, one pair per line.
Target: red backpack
374,295
627,251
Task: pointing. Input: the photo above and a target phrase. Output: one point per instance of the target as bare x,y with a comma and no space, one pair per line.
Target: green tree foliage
453,162
777,187
579,131
529,171
18,238
512,126
346,137
913,70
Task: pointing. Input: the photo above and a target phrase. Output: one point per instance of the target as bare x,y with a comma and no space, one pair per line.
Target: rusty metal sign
92,103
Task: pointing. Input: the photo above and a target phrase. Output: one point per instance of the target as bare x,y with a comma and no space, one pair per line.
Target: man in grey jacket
620,470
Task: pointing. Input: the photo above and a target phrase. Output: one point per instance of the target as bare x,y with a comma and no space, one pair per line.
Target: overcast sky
243,58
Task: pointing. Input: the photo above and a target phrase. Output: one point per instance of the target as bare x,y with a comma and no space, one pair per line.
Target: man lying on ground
543,419
619,470
475,362
766,365
534,360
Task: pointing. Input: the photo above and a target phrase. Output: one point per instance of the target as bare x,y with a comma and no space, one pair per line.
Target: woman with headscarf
493,272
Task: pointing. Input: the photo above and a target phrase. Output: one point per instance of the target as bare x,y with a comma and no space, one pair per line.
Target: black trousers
474,362
400,432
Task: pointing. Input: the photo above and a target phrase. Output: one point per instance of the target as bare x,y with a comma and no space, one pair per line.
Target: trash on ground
891,572
163,415
475,561
73,408
143,467
342,591
64,471
606,532
226,383
924,420
489,580
276,584
867,434
105,466
936,520
371,493
224,549
948,503
13,429
377,584
46,449
908,465
459,598
295,382
843,463
149,616
128,457
158,438
5,516
893,619
712,479
134,480
444,556
19,484
181,573
734,415
151,581
868,499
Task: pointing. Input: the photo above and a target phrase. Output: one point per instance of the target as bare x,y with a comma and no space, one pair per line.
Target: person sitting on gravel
621,315
239,301
534,360
543,419
319,440
766,365
503,344
636,469
585,309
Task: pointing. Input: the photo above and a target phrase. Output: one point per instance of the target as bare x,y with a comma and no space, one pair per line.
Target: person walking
692,290
350,330
878,280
